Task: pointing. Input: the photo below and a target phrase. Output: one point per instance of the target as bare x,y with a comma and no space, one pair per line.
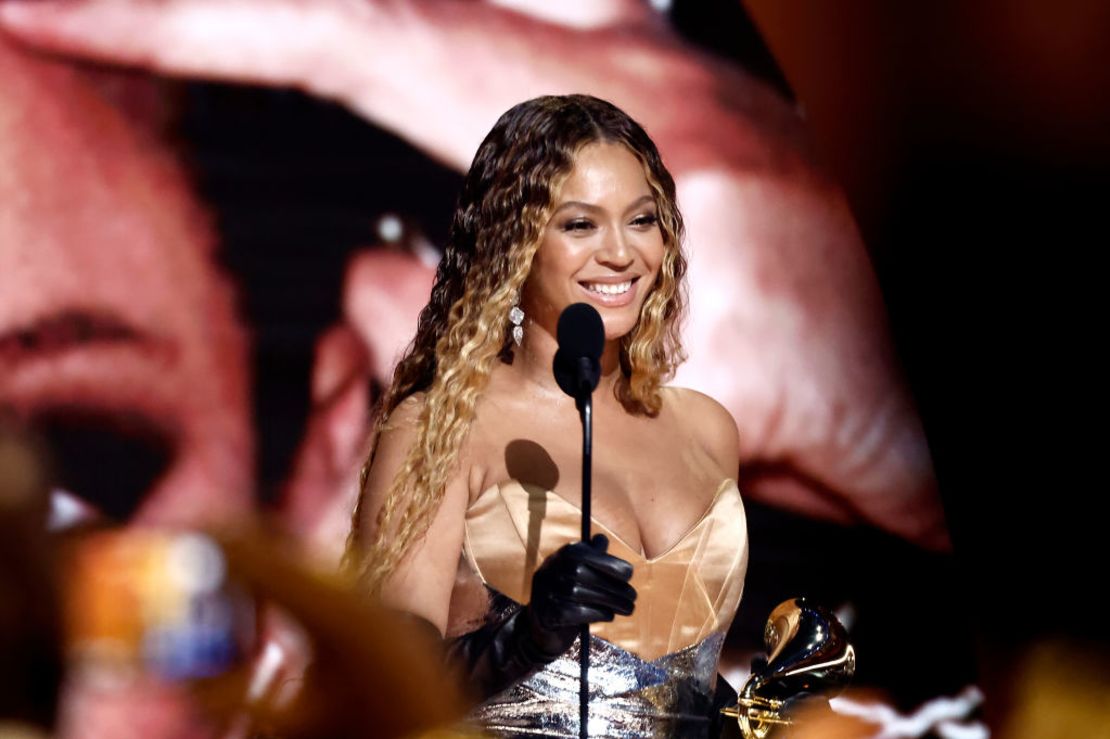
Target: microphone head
580,331
581,336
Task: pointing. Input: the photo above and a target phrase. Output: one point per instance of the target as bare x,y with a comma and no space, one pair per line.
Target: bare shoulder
391,447
406,415
398,435
709,422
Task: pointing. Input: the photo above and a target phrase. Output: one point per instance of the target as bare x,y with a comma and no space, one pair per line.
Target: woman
469,503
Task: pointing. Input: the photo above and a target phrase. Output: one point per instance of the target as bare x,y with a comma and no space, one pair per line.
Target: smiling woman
601,245
468,535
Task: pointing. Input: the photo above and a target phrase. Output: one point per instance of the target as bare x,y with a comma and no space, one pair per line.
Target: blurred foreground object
808,657
152,609
1059,691
373,672
30,643
153,601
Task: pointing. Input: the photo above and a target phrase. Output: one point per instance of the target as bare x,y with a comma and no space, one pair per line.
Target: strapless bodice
684,594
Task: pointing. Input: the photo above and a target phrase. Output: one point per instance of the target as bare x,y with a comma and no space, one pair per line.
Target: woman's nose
615,251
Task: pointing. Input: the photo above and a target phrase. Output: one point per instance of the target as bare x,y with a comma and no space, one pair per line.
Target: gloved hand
578,584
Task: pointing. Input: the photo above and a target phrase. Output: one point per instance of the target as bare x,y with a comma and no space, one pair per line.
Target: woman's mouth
612,294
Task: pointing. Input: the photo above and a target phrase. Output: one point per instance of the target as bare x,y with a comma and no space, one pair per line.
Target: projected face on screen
104,257
124,341
118,341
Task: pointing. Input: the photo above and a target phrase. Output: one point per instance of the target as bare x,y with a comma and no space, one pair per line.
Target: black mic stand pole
585,412
577,368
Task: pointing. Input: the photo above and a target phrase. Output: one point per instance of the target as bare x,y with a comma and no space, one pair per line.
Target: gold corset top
684,594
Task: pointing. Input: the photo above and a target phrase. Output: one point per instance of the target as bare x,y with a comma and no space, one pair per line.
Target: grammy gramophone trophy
808,654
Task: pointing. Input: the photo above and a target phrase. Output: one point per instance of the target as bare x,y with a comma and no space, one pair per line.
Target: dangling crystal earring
516,317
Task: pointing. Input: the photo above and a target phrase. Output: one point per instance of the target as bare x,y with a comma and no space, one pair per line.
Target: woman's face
602,245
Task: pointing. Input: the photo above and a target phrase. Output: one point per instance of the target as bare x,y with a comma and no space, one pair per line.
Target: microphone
577,368
581,337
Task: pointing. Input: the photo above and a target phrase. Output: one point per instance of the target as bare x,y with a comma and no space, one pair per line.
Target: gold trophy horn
807,653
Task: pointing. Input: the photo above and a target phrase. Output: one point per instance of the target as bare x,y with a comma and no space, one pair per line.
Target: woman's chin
617,327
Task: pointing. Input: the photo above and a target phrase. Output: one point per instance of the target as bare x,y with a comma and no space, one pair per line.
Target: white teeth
608,289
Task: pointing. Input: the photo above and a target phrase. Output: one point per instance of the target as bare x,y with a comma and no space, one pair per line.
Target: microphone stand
585,413
577,368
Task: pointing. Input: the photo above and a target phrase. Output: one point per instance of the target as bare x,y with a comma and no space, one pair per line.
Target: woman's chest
649,484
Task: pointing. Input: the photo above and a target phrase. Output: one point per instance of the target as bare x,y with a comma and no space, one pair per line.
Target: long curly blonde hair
506,200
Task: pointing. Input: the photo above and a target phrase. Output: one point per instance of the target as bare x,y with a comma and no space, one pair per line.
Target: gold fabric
684,594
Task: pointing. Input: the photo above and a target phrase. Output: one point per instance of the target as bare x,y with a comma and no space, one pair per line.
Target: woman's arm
424,578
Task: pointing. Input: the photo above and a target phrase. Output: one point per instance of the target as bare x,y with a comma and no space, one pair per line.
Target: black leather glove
578,584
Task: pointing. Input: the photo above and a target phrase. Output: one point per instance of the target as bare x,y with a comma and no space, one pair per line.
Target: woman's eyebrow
589,206
69,329
575,204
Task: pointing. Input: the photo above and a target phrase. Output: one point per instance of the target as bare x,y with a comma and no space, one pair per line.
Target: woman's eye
578,225
646,220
